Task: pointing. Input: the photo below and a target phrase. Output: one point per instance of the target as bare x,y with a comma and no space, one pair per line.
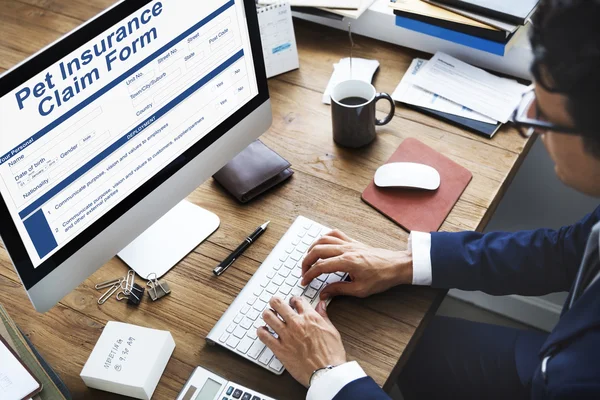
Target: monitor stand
169,240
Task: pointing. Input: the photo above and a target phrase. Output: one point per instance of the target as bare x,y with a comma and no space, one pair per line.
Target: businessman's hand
307,340
371,270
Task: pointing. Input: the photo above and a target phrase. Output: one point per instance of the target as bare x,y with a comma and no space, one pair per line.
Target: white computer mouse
407,175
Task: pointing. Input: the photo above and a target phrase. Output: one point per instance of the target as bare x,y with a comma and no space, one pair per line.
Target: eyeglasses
529,120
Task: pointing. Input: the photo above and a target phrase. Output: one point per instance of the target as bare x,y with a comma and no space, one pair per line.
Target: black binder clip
157,289
133,296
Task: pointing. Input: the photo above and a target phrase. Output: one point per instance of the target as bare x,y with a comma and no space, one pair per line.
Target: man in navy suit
467,360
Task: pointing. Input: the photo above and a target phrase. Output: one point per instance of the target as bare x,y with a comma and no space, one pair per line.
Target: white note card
360,69
278,39
470,86
15,381
407,92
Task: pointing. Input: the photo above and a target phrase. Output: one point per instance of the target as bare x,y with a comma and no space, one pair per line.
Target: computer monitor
107,129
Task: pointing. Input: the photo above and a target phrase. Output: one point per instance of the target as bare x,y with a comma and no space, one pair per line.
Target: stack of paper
447,85
343,8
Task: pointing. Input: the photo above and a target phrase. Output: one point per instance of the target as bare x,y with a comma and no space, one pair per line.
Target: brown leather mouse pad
414,209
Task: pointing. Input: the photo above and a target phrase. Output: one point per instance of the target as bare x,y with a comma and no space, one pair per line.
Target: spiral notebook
278,38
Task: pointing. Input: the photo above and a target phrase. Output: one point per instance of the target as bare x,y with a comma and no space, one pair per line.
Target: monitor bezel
12,79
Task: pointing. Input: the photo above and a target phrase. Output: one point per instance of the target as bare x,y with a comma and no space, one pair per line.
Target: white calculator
204,385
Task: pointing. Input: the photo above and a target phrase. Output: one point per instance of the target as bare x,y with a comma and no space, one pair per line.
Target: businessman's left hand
307,340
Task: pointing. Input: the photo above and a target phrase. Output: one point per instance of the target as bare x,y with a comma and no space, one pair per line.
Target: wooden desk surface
326,187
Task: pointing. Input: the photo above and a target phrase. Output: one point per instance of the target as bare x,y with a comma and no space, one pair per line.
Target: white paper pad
345,4
408,93
15,381
362,69
472,87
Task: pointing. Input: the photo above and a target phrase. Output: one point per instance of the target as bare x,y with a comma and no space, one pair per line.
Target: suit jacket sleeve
362,389
530,263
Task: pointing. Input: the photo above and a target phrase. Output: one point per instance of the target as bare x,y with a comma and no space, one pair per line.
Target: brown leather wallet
254,171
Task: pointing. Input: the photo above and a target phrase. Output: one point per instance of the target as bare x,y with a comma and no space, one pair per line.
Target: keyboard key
290,264
296,256
237,394
266,297
323,277
333,278
239,332
253,314
277,267
264,283
266,356
291,280
258,291
270,275
278,280
310,293
308,240
297,291
289,249
246,323
245,345
300,285
252,333
284,256
260,305
302,233
251,300
231,327
224,337
233,341
314,231
307,225
245,309
340,274
302,248
297,272
316,284
285,272
276,365
285,289
272,288
256,349
295,242
247,396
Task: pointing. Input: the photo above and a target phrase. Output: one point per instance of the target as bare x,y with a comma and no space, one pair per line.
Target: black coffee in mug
353,113
353,101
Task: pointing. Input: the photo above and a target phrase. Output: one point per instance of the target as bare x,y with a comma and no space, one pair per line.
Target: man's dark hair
566,42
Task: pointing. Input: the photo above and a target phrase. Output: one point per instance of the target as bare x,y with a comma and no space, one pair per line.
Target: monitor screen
104,119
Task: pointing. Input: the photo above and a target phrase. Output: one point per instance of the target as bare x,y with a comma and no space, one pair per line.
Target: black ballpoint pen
222,267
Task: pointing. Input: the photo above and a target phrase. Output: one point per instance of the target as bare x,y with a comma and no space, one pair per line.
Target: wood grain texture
326,187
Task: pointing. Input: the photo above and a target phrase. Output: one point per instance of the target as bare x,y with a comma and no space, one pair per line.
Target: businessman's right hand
371,270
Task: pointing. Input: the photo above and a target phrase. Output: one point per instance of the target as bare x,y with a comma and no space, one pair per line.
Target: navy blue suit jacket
531,263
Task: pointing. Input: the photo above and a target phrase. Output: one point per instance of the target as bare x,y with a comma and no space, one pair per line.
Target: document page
470,86
89,130
15,381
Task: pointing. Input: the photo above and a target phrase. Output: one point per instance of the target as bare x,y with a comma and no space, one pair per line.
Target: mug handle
386,120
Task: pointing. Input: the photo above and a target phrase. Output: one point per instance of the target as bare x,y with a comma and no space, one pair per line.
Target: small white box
128,360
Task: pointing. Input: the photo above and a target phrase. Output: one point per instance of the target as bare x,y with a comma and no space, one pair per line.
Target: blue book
474,42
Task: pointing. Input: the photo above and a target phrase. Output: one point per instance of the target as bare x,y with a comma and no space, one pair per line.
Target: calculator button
256,398
237,394
247,396
225,398
230,390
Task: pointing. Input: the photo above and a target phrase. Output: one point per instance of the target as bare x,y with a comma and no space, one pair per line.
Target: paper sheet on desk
362,69
408,93
15,381
472,87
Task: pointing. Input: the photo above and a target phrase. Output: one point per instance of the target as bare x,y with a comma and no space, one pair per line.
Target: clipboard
4,344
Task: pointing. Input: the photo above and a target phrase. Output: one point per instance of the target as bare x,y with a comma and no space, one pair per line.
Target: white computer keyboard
279,275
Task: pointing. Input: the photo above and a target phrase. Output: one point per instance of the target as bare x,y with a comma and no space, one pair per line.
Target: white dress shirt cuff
420,245
327,386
